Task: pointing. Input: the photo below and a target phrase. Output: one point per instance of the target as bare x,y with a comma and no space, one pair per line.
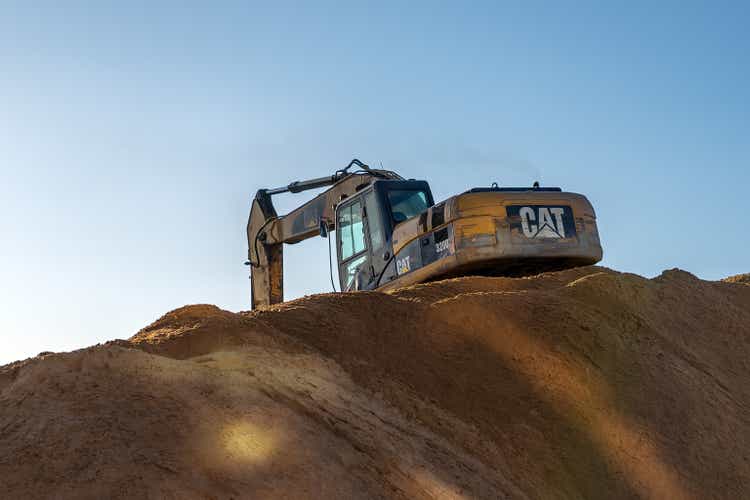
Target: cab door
353,245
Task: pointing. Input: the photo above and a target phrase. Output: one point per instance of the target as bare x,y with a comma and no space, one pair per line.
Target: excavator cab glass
351,227
406,204
352,243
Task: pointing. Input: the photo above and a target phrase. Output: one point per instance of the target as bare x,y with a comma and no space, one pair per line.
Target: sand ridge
578,384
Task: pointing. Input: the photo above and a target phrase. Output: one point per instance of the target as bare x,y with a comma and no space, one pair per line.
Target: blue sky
133,136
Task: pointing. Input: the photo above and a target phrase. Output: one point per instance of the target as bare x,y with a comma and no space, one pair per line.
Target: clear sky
133,136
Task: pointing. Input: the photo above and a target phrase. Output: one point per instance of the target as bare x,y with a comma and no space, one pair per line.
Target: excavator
390,232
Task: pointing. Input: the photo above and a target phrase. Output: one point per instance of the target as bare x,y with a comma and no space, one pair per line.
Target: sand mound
585,383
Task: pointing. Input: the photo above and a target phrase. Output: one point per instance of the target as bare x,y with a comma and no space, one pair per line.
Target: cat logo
538,222
402,265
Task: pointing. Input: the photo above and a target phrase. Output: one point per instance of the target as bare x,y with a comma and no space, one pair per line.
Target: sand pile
585,383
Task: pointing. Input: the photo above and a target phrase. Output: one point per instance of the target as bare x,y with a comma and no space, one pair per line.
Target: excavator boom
267,232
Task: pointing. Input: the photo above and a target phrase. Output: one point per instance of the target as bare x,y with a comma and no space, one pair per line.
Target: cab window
352,230
406,204
351,269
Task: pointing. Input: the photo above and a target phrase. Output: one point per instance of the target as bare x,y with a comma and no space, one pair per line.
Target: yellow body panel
487,240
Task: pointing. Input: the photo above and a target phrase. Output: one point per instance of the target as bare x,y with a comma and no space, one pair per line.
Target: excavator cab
364,225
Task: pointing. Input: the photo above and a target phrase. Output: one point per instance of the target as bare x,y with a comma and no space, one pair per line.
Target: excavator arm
267,232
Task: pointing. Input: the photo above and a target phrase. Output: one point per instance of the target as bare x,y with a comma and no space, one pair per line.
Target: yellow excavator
390,233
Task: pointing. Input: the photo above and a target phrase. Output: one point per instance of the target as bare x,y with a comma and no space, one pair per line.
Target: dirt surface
585,383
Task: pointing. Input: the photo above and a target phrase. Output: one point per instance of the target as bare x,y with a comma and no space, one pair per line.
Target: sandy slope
586,383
